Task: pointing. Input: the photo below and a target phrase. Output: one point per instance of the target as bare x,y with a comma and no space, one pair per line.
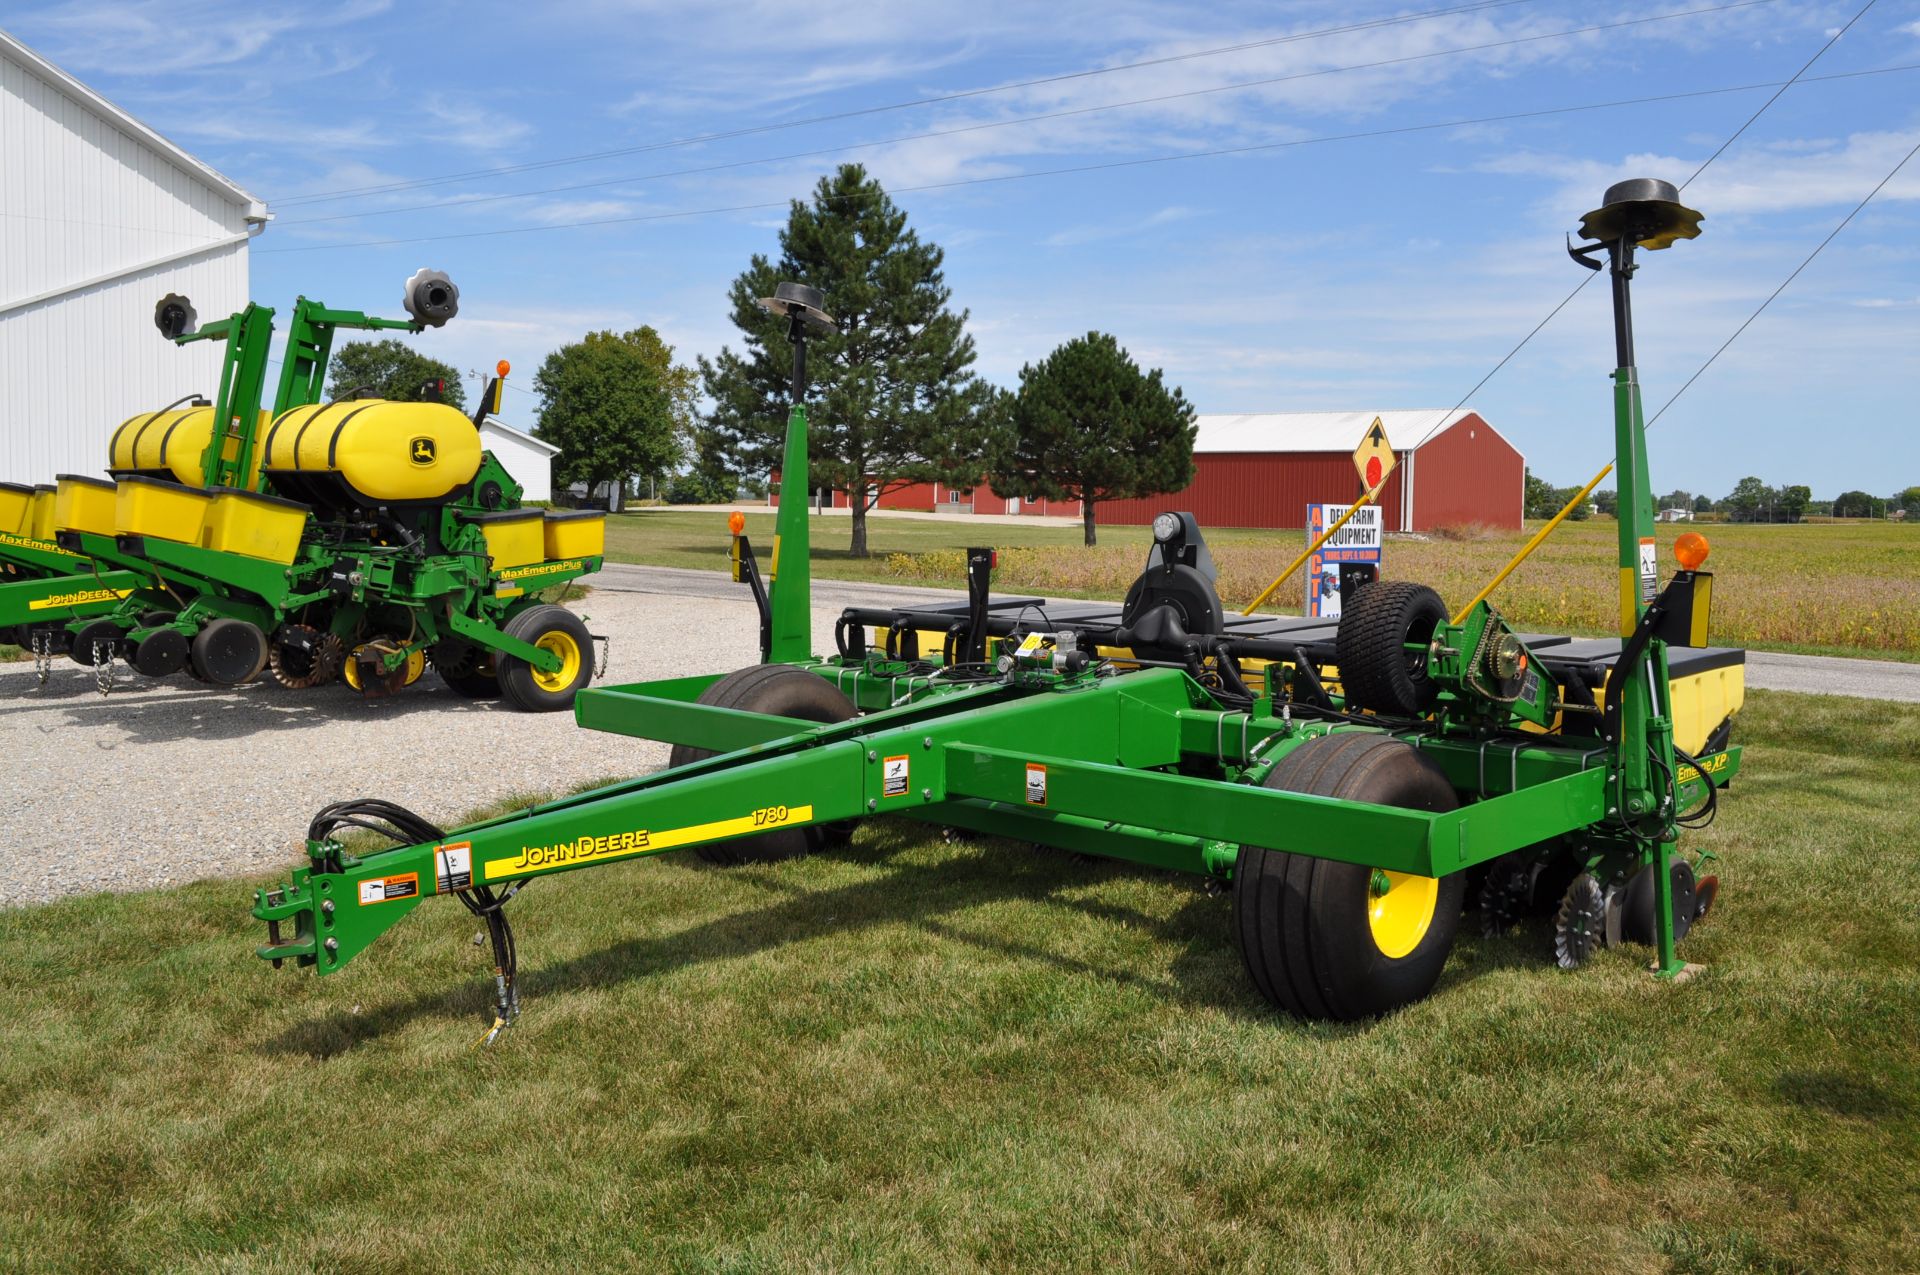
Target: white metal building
529,460
100,217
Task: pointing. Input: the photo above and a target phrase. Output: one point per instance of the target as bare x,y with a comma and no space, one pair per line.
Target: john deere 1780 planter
361,537
1345,781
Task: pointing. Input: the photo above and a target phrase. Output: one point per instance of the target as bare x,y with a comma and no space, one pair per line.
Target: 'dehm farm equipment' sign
1358,542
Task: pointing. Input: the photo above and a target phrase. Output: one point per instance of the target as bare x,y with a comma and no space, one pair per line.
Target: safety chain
103,658
604,652
43,654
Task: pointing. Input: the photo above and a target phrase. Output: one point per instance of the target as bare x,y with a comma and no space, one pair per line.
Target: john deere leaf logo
420,451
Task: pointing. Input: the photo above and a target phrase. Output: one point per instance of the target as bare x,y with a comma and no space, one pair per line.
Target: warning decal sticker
386,889
1649,569
893,776
1036,784
453,867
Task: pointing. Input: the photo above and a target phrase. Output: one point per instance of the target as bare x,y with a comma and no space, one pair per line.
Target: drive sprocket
302,656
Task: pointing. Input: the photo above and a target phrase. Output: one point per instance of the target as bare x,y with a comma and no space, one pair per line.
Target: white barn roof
1319,431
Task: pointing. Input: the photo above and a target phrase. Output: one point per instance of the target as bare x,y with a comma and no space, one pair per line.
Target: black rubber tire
468,670
162,653
1377,672
478,684
780,690
516,676
228,652
92,634
1301,922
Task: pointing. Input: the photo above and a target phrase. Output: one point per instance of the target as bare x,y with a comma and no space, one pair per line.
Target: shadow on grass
1204,973
1838,1093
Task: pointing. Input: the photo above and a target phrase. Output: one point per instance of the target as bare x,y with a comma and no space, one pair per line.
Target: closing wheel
228,652
559,631
778,690
1323,939
1377,669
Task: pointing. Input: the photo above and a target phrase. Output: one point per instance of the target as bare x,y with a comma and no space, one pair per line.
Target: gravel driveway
168,780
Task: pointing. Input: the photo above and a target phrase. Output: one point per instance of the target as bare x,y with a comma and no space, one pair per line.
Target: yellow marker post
1528,548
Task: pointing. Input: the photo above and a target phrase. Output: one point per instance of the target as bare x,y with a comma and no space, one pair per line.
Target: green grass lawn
911,1056
1814,588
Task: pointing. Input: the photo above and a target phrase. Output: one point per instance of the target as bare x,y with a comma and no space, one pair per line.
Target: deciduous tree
394,370
613,403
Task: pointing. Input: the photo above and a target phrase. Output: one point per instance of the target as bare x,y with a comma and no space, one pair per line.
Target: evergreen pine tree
1088,425
892,398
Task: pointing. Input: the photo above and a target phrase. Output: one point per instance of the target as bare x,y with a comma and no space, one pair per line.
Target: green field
1831,589
910,1056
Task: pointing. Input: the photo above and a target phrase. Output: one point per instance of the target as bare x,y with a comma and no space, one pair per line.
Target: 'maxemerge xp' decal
640,841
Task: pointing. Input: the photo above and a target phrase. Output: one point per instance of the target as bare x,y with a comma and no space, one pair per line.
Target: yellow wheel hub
416,665
1400,908
561,644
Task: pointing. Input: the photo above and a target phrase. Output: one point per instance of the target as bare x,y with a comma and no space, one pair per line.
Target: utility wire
1566,300
1820,247
1296,37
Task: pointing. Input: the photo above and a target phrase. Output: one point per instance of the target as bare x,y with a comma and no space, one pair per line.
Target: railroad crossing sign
1374,457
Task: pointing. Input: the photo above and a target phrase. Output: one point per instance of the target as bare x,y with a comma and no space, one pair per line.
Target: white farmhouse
100,217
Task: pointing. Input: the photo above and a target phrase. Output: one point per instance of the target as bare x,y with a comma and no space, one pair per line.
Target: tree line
1751,500
894,400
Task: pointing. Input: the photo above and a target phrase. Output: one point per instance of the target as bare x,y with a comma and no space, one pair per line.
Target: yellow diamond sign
1374,457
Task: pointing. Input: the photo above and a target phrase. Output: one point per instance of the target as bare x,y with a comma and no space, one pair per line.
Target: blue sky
1380,272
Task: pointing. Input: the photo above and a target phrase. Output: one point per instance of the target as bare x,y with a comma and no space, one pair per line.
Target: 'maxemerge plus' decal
540,569
640,841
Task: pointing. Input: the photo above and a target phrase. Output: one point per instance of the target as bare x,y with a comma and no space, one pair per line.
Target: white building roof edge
519,435
1407,429
120,118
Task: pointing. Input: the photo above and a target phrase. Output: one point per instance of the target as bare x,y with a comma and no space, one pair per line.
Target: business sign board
1356,542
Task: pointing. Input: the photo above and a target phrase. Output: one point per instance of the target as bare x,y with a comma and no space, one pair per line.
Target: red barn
1262,470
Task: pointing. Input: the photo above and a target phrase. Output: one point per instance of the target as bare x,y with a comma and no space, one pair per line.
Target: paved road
1767,671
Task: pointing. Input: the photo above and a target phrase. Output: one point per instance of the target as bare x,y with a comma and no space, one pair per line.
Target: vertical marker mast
1641,213
791,600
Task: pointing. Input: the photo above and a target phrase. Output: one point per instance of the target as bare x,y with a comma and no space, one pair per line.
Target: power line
636,179
1566,300
1296,37
1818,249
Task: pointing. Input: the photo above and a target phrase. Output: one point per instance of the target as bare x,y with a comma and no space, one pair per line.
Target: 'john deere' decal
420,450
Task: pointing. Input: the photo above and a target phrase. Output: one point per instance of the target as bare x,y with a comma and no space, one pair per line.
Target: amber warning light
736,522
502,368
1691,549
